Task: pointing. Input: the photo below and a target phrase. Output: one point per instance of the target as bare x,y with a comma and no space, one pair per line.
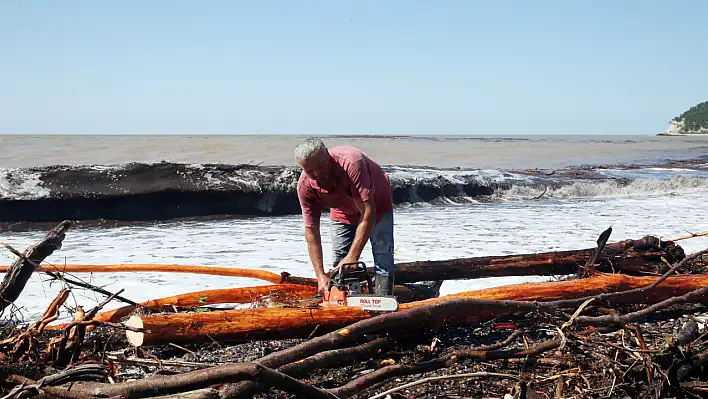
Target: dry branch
482,374
84,372
21,270
23,343
200,379
334,358
398,370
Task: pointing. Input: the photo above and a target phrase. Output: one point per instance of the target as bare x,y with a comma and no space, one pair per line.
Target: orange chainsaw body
334,297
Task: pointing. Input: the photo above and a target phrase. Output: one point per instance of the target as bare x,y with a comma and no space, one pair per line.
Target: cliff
693,121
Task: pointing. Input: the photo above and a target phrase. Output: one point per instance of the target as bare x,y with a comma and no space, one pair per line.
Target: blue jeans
381,243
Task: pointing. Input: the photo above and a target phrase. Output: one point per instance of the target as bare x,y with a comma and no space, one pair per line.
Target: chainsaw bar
373,303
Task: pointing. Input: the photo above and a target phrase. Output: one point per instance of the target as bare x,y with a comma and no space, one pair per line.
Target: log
278,292
248,324
634,257
21,270
163,268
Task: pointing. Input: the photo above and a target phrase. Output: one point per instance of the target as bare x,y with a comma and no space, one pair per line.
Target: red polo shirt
357,179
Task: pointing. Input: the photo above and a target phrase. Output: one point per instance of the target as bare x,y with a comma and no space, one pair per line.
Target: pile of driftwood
625,319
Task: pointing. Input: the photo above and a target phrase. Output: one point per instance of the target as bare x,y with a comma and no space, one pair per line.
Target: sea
546,193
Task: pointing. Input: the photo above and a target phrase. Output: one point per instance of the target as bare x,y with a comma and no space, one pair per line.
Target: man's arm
311,212
363,230
314,248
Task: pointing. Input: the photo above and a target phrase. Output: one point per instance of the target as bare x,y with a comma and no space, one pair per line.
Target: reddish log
210,297
163,268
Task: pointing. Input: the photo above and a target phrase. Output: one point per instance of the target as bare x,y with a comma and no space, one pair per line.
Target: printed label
382,304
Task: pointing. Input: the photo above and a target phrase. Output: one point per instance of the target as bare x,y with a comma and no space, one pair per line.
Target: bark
634,257
277,294
199,379
84,372
334,358
21,270
46,391
242,325
237,325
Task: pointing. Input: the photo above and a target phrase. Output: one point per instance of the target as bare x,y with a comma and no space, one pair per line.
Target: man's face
318,167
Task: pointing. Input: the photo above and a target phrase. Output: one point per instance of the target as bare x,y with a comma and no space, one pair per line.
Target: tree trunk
278,293
164,268
21,270
268,323
634,257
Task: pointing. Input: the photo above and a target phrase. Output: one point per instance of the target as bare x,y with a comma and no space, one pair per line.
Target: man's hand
322,283
348,259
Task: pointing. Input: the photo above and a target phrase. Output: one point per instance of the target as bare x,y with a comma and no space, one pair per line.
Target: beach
536,202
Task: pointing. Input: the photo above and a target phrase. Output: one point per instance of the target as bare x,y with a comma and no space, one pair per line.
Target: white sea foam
481,176
21,184
676,184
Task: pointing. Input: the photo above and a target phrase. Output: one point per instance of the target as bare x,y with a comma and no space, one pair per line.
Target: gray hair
309,147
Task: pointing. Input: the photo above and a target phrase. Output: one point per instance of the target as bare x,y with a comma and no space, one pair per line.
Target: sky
350,67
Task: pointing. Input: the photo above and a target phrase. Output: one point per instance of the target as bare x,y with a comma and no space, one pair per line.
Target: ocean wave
140,191
676,184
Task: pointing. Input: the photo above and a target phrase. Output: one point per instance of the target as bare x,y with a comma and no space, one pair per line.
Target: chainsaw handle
337,275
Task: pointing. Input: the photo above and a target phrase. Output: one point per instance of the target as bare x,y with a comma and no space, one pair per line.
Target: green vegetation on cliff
695,119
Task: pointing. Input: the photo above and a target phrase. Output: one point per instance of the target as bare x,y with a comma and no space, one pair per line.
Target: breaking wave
609,188
160,191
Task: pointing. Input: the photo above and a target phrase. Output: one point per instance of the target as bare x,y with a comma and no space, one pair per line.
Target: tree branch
21,270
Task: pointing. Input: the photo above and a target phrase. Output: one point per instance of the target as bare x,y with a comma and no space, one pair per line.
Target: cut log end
135,338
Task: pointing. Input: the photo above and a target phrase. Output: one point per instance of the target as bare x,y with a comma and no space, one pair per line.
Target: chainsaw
345,289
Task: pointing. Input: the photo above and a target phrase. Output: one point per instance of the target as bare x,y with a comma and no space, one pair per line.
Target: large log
276,293
242,325
634,257
21,270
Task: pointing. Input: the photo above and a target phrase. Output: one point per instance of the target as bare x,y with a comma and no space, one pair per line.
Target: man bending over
358,193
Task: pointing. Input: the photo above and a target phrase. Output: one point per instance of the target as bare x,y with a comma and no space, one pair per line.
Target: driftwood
279,323
633,257
574,312
21,270
275,293
199,379
536,309
431,313
268,323
163,268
